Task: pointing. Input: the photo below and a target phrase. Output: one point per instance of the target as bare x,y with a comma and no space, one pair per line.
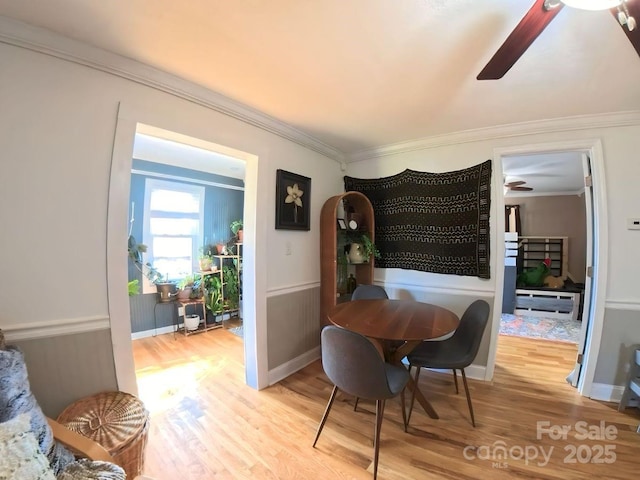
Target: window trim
151,184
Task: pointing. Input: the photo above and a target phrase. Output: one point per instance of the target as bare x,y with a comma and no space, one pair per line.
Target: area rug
239,331
536,327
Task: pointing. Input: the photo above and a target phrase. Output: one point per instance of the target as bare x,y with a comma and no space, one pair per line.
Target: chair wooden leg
376,442
326,414
455,380
466,389
413,393
404,411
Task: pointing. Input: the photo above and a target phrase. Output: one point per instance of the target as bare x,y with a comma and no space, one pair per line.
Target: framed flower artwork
293,196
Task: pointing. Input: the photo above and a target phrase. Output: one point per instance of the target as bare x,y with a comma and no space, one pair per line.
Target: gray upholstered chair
456,352
368,292
354,366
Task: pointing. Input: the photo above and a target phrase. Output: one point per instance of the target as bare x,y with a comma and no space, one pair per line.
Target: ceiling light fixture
623,11
592,4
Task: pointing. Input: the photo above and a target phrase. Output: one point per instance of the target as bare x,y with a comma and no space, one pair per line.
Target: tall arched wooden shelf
329,247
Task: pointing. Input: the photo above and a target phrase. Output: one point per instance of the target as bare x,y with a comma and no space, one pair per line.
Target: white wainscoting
68,326
292,366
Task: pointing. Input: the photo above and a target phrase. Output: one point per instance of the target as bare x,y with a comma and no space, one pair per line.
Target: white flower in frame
294,195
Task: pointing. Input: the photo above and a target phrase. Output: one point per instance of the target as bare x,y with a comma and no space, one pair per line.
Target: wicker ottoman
116,420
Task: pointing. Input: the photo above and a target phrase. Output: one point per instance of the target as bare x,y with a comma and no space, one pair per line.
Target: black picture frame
342,225
292,214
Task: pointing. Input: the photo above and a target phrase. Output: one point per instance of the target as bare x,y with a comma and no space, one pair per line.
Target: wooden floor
207,424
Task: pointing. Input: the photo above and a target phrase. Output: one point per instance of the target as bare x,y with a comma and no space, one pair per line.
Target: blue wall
221,207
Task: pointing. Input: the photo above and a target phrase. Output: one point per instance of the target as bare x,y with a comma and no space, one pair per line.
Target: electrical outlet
633,223
180,311
287,248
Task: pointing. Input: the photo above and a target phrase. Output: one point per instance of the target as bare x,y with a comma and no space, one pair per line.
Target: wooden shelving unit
220,260
533,250
236,259
203,326
330,247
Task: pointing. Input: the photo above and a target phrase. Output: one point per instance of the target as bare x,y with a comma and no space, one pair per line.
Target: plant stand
237,262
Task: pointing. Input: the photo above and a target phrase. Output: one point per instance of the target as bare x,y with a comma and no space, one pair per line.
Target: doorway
593,315
128,120
545,265
546,226
184,199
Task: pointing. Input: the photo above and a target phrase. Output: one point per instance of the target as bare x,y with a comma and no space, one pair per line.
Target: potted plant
135,255
231,287
165,289
185,287
362,250
191,322
206,259
236,229
213,295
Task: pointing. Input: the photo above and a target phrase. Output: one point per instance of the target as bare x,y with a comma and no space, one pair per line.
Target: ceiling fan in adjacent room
517,186
540,15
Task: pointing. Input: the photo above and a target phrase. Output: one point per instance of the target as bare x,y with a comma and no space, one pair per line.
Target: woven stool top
113,419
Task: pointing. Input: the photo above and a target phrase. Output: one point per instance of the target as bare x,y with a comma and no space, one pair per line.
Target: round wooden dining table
405,321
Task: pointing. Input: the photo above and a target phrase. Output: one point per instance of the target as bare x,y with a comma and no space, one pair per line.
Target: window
173,226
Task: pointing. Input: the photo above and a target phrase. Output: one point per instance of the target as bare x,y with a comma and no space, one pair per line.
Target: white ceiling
179,154
548,174
358,74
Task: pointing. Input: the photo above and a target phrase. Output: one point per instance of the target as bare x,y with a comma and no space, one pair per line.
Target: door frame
592,147
254,255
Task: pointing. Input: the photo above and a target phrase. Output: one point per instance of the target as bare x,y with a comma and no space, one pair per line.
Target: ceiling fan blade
515,184
634,35
521,189
532,25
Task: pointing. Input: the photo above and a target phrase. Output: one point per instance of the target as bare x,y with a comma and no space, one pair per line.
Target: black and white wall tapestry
432,222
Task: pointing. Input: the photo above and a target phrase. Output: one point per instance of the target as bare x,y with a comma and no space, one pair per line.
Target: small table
400,320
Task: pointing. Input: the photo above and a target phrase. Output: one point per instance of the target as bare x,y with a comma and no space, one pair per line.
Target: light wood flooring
206,424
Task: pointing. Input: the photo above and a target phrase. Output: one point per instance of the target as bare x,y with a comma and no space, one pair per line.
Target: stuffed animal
533,277
553,282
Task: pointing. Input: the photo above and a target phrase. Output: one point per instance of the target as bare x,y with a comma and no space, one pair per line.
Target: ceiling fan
517,186
541,14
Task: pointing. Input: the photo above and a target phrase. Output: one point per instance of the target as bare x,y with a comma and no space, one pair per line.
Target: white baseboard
292,366
153,332
449,290
610,393
476,372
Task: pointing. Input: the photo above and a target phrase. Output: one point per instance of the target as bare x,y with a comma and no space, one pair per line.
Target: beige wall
57,139
619,145
57,144
561,216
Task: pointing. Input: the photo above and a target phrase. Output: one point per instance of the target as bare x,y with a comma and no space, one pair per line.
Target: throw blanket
432,222
16,398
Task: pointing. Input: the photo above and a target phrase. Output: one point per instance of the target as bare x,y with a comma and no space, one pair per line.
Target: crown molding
579,122
19,34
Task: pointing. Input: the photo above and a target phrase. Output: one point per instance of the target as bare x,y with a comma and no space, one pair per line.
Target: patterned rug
239,331
535,327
